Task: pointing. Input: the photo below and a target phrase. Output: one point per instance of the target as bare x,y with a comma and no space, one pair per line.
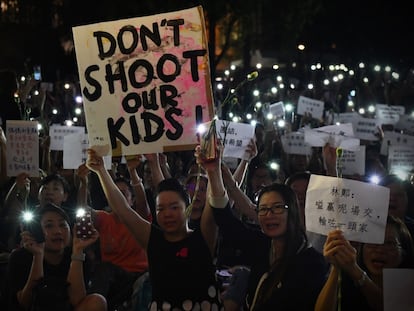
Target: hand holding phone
84,225
31,223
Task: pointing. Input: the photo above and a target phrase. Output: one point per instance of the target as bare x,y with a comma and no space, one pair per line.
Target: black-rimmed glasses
274,209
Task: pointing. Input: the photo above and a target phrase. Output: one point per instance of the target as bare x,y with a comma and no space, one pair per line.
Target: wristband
218,202
78,257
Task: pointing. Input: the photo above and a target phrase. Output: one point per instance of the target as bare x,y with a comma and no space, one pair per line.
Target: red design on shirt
182,252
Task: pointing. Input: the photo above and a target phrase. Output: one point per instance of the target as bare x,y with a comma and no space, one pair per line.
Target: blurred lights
78,99
66,86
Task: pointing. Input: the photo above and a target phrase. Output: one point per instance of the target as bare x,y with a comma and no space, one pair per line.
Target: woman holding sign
281,261
180,260
362,279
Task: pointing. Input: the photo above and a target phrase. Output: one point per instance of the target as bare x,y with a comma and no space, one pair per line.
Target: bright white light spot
310,86
67,86
274,166
201,128
361,111
78,99
220,86
326,82
273,90
281,123
374,179
258,65
55,111
69,122
377,68
371,108
80,212
256,93
269,116
249,116
288,107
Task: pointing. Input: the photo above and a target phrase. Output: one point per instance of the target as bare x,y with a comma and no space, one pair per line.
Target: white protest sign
400,159
237,138
336,135
145,81
388,114
398,287
75,147
358,209
346,117
310,106
294,143
405,123
22,148
277,109
366,129
57,132
353,162
395,139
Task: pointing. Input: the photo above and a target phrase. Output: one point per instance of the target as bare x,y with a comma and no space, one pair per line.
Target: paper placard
353,162
335,135
358,209
238,137
22,148
400,159
277,109
294,143
75,147
310,106
406,124
398,287
395,139
388,114
57,132
145,81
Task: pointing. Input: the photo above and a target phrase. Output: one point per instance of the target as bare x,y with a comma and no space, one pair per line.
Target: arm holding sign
138,226
343,256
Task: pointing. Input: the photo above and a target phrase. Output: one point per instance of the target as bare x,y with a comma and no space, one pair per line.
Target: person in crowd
180,260
282,262
49,273
362,271
259,174
196,186
121,260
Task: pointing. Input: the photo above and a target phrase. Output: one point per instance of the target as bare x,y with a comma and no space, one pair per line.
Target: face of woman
273,222
56,231
388,255
171,212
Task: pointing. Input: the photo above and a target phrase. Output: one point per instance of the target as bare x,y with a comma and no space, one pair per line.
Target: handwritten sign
358,209
294,143
22,148
310,106
388,114
277,109
400,159
145,81
406,124
395,139
353,162
57,132
335,135
237,138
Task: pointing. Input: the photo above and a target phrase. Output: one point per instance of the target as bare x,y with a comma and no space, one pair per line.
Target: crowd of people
177,231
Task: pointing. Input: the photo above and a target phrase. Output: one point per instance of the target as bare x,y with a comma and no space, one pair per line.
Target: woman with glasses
362,277
286,273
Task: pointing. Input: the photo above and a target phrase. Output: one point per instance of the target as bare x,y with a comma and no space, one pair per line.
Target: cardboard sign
145,81
22,148
358,209
311,106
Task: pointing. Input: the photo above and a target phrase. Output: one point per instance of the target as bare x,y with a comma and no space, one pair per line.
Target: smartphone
37,73
84,224
31,223
208,142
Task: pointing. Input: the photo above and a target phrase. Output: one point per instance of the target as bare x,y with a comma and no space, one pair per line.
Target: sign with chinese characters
310,106
400,159
236,138
406,124
358,209
145,81
388,114
353,162
395,139
75,148
277,109
294,143
341,135
22,148
57,132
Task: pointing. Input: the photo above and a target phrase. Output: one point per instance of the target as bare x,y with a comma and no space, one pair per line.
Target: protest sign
145,81
335,135
358,209
395,139
310,106
294,143
57,132
353,162
400,159
386,114
22,148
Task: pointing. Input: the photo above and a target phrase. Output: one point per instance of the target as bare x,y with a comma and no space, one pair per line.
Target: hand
133,161
29,243
82,173
23,182
94,162
251,150
80,244
209,165
339,252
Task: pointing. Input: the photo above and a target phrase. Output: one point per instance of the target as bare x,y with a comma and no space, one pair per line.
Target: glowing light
274,166
275,67
395,75
227,72
313,67
374,179
201,128
281,86
256,93
318,66
69,122
78,111
331,67
231,114
22,78
233,67
220,86
301,47
80,212
269,116
377,68
351,72
361,65
39,126
361,111
371,108
259,65
403,175
350,103
352,93
365,80
258,105
273,90
249,116
281,123
279,79
27,216
387,69
75,119
310,86
326,82
288,107
55,111
236,119
292,86
78,99
66,86
36,92
253,122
